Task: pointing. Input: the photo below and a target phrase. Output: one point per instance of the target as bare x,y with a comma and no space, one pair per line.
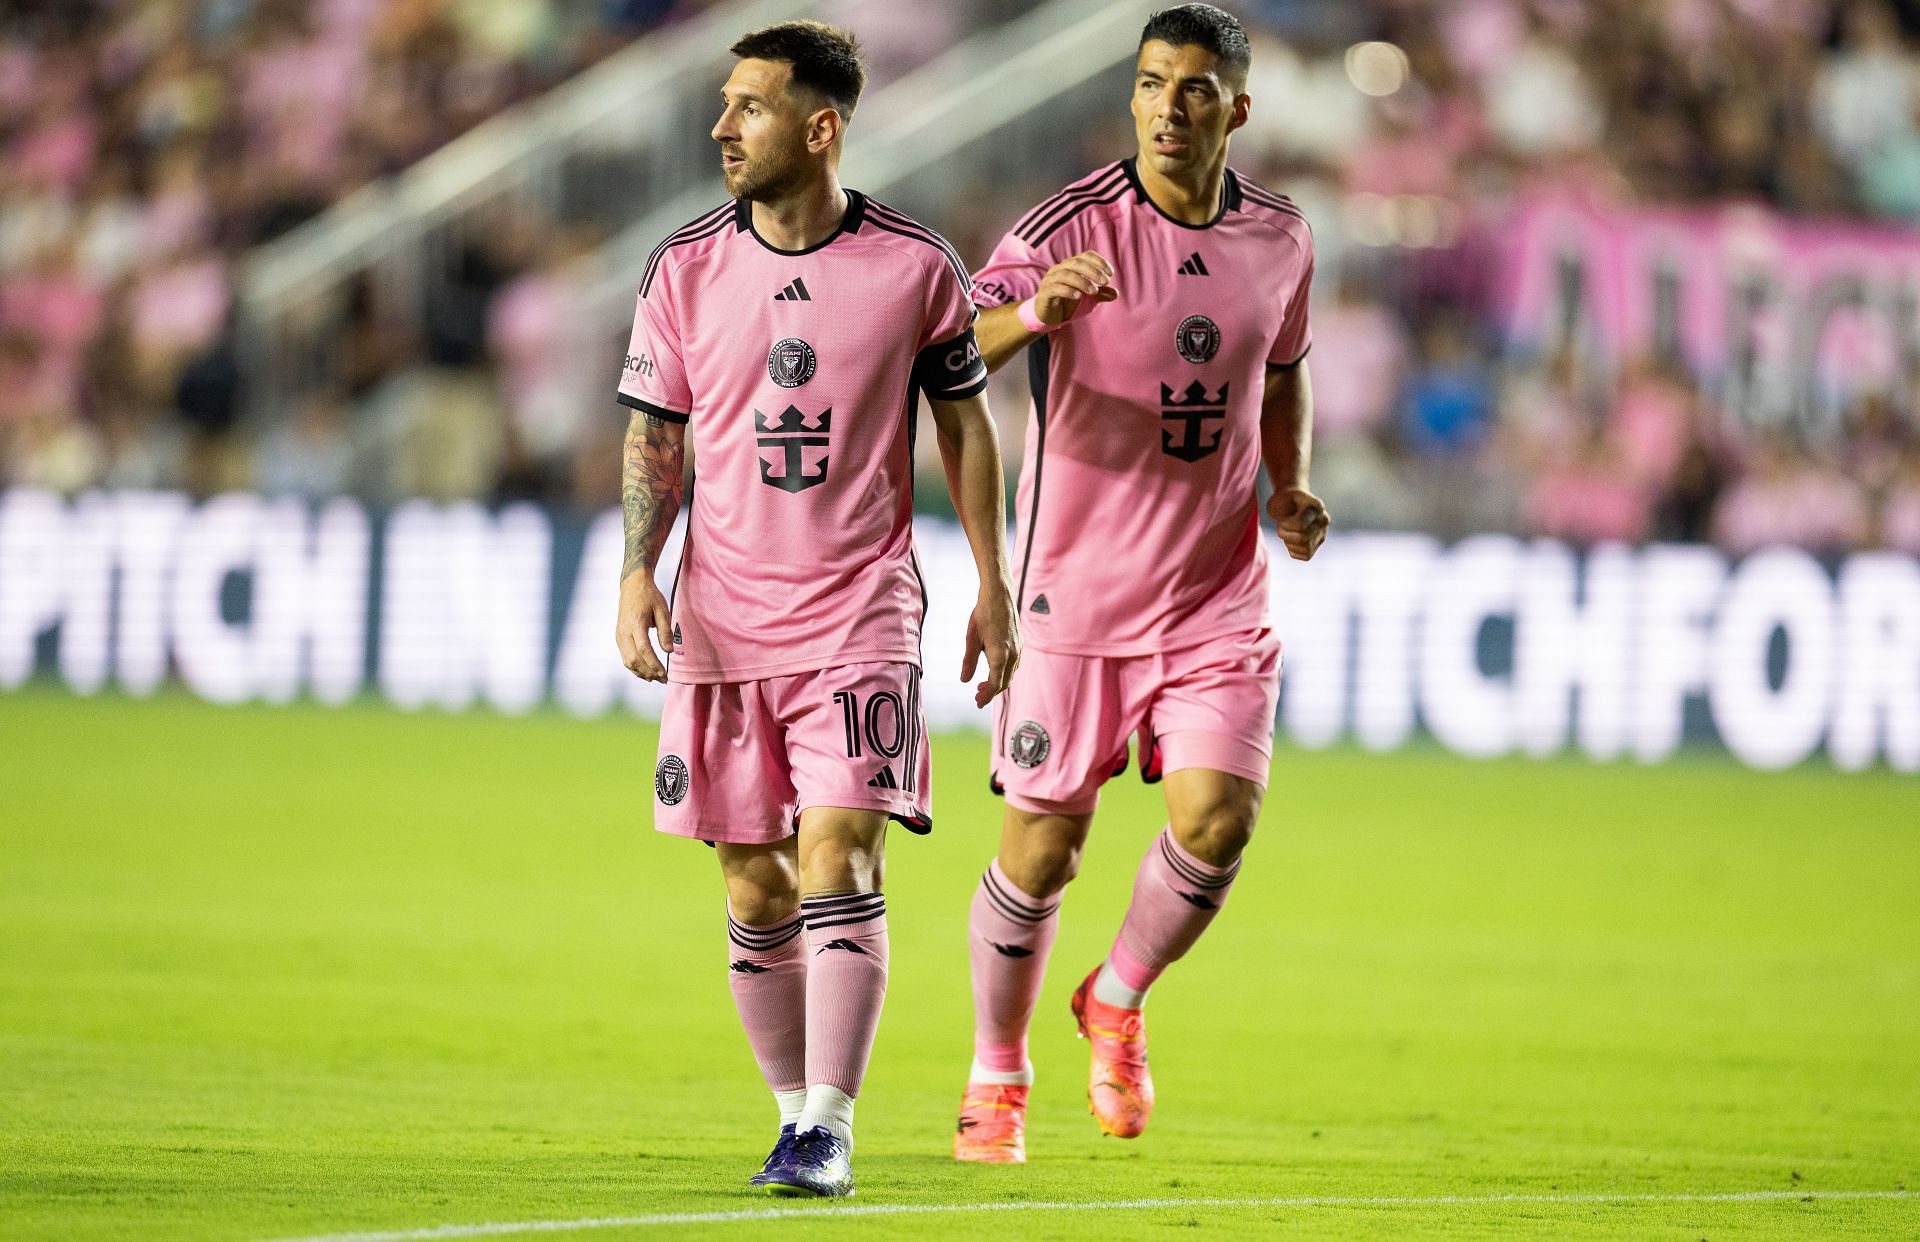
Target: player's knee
763,899
1042,863
1219,832
836,864
1045,871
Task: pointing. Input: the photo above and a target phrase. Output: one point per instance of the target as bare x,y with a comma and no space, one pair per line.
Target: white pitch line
1115,1205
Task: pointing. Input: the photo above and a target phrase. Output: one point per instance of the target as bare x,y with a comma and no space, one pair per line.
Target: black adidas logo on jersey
797,292
1041,606
883,779
1194,266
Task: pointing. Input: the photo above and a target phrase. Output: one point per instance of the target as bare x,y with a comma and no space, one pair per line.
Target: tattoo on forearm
650,486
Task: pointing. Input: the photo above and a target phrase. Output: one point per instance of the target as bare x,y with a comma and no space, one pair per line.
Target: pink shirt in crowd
1900,518
798,374
1805,509
1137,506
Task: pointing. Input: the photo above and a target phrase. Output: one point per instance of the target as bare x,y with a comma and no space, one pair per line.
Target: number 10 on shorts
881,724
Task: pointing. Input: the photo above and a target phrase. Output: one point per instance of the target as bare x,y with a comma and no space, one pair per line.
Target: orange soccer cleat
993,1124
1119,1086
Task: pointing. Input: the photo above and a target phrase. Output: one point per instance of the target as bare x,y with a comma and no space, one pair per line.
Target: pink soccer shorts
1064,723
739,761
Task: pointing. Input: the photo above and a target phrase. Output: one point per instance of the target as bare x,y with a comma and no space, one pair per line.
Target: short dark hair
1204,26
825,59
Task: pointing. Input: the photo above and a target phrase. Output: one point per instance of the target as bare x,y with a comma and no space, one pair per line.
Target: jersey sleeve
1012,274
653,379
1296,334
949,366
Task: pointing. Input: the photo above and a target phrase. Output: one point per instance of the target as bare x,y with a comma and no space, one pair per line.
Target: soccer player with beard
791,333
1162,302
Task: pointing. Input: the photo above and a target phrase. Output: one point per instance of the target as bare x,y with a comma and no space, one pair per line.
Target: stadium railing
621,135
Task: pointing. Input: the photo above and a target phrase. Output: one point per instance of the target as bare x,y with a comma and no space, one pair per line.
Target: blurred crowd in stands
150,144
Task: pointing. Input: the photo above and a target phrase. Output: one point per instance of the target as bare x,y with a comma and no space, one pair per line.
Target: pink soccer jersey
1137,502
798,374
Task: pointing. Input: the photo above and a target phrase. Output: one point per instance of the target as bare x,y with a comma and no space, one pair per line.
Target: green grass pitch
270,973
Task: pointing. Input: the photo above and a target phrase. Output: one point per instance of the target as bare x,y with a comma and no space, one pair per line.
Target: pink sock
1175,897
1008,935
846,983
767,968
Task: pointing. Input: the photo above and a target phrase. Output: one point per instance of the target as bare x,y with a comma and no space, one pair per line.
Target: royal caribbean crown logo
1191,409
790,446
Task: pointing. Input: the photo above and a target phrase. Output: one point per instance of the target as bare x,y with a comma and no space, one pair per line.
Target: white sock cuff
1110,989
791,1104
830,1107
1009,1078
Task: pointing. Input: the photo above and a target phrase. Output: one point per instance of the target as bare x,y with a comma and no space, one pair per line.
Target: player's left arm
1286,446
970,451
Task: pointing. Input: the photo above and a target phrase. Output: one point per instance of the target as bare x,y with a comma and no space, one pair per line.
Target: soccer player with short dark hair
1162,302
792,331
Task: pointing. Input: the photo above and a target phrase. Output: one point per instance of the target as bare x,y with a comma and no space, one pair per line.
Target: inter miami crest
788,447
670,780
1029,745
1198,339
790,362
1191,409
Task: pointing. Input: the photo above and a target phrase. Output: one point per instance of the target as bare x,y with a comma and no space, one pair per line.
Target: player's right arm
651,480
653,384
970,452
1068,288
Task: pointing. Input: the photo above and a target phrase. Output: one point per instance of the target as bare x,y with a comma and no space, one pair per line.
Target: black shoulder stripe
1249,186
698,231
703,227
906,221
1267,198
913,227
1085,187
660,253
1284,206
1045,227
1114,195
685,232
1098,183
946,251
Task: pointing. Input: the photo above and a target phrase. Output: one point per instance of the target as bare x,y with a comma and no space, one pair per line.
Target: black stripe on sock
1015,906
868,901
1185,870
836,902
756,938
1017,897
750,930
999,903
843,918
865,918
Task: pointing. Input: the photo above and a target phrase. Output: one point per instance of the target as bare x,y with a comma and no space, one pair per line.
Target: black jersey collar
849,223
1229,196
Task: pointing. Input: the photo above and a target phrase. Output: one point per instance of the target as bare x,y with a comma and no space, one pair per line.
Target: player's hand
993,631
642,607
1302,520
1073,286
